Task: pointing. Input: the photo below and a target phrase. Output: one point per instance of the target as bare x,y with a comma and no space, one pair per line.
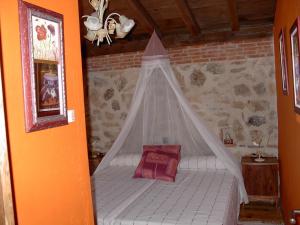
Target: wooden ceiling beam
234,18
187,17
144,17
176,40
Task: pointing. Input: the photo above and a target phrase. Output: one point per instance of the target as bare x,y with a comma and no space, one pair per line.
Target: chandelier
98,29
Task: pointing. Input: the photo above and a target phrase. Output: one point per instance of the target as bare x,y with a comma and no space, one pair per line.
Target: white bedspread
203,197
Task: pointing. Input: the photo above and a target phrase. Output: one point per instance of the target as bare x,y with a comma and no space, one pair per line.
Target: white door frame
6,200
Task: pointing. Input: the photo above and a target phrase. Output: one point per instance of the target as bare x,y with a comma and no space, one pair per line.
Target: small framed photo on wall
42,50
227,136
294,35
283,64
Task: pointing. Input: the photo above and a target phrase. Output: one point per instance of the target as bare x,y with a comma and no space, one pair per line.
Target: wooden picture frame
227,136
42,50
283,63
295,49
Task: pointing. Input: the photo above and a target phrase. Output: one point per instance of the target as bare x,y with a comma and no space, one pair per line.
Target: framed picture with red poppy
283,64
42,51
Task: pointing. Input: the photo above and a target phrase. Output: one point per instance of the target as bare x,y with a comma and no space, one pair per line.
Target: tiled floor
260,214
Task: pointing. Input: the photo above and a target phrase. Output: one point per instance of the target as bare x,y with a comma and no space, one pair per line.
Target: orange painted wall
50,167
288,120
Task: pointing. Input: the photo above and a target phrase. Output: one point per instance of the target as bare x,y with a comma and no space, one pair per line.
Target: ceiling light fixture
97,30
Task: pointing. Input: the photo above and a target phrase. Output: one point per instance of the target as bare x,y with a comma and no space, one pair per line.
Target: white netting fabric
162,120
160,114
155,49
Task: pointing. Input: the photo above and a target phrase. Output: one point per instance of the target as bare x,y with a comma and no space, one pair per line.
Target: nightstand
261,179
94,161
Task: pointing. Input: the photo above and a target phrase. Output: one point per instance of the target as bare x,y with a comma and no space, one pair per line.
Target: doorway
6,200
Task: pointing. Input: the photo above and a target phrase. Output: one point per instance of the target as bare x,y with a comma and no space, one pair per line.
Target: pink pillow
159,162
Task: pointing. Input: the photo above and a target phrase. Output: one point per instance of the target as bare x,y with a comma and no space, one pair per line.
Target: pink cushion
159,162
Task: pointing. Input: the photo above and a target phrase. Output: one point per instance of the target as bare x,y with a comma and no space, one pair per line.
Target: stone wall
238,93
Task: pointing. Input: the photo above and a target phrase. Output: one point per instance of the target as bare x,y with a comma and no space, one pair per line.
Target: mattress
202,197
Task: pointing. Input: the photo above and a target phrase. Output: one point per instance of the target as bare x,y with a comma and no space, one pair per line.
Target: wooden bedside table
94,162
261,179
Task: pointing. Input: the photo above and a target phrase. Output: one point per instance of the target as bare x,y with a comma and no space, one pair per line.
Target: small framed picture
227,136
294,35
42,67
283,64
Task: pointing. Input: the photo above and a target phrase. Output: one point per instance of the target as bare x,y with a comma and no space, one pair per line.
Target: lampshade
119,32
92,23
126,24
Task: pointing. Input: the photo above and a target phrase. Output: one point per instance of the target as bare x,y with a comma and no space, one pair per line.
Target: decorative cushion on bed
126,160
201,162
159,162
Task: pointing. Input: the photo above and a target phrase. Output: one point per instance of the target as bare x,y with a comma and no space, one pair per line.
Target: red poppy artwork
45,39
51,28
41,32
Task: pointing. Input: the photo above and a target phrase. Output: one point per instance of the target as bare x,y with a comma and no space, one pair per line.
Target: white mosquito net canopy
160,114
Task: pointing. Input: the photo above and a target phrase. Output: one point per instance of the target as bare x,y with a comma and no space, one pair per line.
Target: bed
202,196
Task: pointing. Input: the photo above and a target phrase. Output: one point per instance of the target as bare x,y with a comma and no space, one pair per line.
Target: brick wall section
217,51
